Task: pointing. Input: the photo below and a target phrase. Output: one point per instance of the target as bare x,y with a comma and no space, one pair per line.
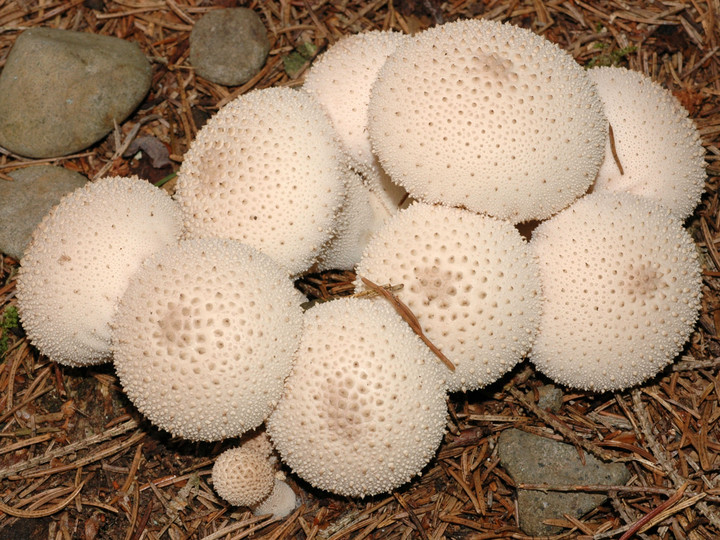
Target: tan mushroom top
621,283
487,116
80,259
267,170
657,145
364,408
204,338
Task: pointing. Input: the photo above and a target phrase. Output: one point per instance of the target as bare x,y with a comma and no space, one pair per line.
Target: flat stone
25,201
532,459
229,46
61,91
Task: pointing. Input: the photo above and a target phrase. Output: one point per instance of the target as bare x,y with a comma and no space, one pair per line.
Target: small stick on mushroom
614,151
410,318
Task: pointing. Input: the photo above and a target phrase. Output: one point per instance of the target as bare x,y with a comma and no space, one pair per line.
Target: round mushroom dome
621,283
204,337
341,80
470,280
487,116
243,476
657,144
367,397
80,259
267,170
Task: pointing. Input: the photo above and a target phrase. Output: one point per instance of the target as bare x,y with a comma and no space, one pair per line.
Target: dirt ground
78,461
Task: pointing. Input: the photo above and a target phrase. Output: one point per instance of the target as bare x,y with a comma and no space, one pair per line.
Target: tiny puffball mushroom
657,145
470,280
280,503
364,408
79,261
204,337
361,216
341,80
487,116
268,170
242,476
621,284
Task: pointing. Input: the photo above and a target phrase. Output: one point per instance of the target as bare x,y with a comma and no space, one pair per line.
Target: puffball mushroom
657,145
364,407
204,337
470,280
80,259
621,284
341,79
280,503
360,217
487,116
267,170
243,476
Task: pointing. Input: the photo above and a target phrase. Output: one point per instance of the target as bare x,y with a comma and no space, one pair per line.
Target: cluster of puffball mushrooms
415,161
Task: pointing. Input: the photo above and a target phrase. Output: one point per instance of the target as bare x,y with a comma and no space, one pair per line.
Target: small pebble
229,46
25,201
61,91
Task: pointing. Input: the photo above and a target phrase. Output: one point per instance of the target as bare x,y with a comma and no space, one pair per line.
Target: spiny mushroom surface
360,217
469,279
204,338
487,116
657,145
267,170
243,476
364,408
80,259
621,284
341,80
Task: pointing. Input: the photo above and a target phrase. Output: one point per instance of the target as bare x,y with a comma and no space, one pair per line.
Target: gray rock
229,46
25,201
60,91
536,460
550,398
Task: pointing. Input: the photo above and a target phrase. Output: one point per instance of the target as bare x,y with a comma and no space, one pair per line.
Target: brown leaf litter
78,461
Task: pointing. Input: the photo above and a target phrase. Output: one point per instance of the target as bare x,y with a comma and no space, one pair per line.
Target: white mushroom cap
242,476
470,280
267,170
364,408
361,216
204,338
80,259
658,146
341,80
622,286
280,503
487,116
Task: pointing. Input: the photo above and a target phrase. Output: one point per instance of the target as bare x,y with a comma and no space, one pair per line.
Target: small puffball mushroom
243,476
267,170
657,145
280,503
366,396
621,284
470,280
80,259
487,116
204,337
341,80
361,216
